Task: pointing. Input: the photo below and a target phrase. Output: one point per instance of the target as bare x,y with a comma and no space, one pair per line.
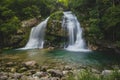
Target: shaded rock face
55,35
55,73
104,45
21,36
30,23
30,64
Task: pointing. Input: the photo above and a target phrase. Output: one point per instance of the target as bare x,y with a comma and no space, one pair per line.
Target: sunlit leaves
65,2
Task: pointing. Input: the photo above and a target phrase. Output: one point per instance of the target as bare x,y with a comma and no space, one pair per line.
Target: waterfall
76,42
69,23
36,39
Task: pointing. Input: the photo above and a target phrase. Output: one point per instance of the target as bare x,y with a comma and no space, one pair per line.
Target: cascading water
36,39
76,42
70,22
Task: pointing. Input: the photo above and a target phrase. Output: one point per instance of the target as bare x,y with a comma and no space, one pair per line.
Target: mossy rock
55,34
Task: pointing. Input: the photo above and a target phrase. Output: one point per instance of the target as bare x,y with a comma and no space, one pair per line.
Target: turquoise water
54,57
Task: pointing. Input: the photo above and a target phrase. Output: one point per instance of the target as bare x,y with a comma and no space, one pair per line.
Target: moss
55,34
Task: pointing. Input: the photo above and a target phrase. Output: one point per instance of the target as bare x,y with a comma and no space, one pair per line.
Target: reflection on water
59,56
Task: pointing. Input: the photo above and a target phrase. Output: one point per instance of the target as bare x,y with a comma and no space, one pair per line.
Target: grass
88,75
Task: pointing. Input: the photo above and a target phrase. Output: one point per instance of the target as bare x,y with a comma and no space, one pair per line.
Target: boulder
67,68
55,32
65,72
95,71
24,77
30,64
4,77
44,68
32,71
55,73
106,72
17,76
9,64
54,78
13,70
41,74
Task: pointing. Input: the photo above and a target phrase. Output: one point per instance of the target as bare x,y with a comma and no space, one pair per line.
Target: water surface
93,58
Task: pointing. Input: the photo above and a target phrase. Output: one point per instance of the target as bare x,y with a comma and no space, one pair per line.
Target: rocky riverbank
31,70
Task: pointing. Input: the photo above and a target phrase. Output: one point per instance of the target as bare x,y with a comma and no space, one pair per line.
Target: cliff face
21,37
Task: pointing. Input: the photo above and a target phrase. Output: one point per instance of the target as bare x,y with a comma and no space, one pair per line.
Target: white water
76,42
70,22
36,39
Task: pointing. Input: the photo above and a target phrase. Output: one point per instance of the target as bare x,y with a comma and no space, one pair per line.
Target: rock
67,68
55,31
40,74
28,73
45,78
32,78
44,68
4,77
51,48
24,78
54,78
13,70
30,64
95,71
65,72
55,73
23,69
9,64
17,76
30,23
32,71
106,72
11,75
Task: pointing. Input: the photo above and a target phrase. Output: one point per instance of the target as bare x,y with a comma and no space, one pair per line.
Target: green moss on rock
55,34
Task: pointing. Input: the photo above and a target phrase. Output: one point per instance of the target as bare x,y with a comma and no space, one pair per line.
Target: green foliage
32,11
100,18
12,12
65,2
88,75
